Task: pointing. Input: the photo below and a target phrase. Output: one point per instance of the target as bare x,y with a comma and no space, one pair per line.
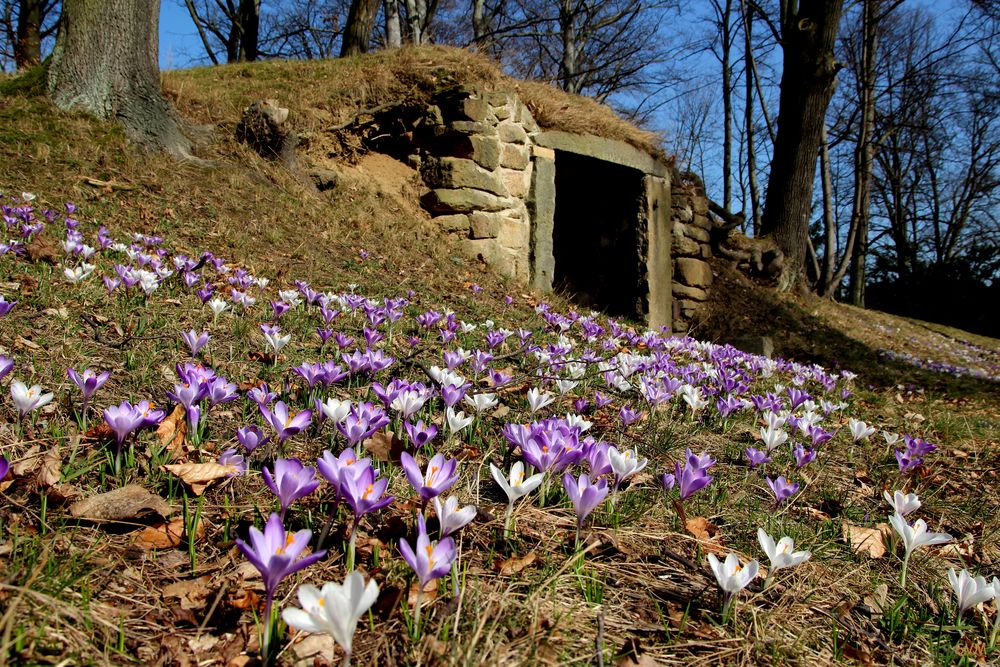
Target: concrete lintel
600,148
541,208
658,264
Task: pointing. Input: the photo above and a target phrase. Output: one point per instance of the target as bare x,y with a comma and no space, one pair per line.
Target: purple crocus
803,455
234,460
6,306
420,434
220,390
430,561
782,489
123,419
691,479
330,467
585,497
440,475
89,382
275,554
4,467
195,341
362,489
756,457
251,437
6,365
290,481
285,423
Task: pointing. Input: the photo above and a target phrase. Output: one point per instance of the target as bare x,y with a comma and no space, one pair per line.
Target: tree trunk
727,105
569,79
864,152
248,20
393,29
807,82
105,62
748,121
28,45
358,31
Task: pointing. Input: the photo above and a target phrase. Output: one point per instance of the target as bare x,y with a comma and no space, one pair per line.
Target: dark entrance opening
595,243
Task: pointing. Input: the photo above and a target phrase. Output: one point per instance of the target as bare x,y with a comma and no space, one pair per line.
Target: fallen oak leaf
866,541
166,535
172,430
128,502
199,475
515,564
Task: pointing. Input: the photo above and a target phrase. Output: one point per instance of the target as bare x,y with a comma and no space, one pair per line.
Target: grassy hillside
162,579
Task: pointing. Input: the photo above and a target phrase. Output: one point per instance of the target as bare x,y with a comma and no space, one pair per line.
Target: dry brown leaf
199,475
172,430
430,593
384,446
166,535
866,541
515,564
27,463
21,341
127,502
701,528
50,471
191,592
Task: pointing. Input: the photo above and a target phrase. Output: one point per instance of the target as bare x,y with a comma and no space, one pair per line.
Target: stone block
706,251
514,156
543,152
695,233
483,225
693,272
502,112
476,109
761,345
486,151
472,127
451,172
701,221
685,292
686,247
512,133
525,118
463,200
514,234
682,213
453,223
515,181
700,205
498,98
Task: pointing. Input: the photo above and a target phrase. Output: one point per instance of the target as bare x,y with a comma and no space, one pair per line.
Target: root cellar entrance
595,240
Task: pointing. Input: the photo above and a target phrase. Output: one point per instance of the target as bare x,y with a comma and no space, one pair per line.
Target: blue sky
179,44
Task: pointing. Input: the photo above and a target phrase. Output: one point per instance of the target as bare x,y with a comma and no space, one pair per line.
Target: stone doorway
595,241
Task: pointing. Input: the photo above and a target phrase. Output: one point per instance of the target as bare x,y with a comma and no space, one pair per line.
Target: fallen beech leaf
866,541
199,475
701,528
246,601
50,471
27,463
166,536
384,446
99,432
172,430
127,502
192,592
21,341
430,593
515,564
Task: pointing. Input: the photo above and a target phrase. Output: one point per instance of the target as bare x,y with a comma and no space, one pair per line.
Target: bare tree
26,31
359,27
229,27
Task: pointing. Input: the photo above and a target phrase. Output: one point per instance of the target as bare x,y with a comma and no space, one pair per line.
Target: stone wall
691,248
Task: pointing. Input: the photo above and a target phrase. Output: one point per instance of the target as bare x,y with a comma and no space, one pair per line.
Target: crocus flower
275,554
691,479
6,306
274,338
429,560
335,409
782,489
859,429
773,437
362,490
457,421
969,591
902,503
420,434
538,400
781,555
217,306
290,481
450,517
4,467
914,537
6,365
234,460
27,399
330,467
285,423
251,437
515,487
482,402
585,497
803,456
334,609
440,475
625,464
756,457
88,383
195,341
732,577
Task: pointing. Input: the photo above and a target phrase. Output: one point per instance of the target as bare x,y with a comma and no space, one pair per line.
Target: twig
600,639
364,112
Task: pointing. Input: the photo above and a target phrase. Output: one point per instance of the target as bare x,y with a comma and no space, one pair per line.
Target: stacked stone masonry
489,172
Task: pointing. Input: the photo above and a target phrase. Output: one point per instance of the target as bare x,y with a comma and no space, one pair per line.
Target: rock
453,223
486,152
682,213
695,233
484,225
263,126
325,179
512,133
701,221
515,182
464,200
693,272
476,109
472,127
514,234
685,247
514,156
761,345
685,292
451,172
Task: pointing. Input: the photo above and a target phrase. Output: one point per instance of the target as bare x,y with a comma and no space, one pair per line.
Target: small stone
685,292
453,223
515,182
693,272
476,109
463,200
512,133
484,225
514,156
450,172
685,247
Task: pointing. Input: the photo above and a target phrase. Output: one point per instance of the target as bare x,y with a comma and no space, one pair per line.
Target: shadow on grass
738,308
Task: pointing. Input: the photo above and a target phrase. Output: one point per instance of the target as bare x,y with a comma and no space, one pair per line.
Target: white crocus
969,590
890,438
625,463
577,421
80,273
276,340
774,421
732,577
538,399
516,487
457,420
914,537
217,306
903,503
773,438
334,610
27,398
859,429
692,396
408,403
780,555
335,409
450,517
565,386
482,402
